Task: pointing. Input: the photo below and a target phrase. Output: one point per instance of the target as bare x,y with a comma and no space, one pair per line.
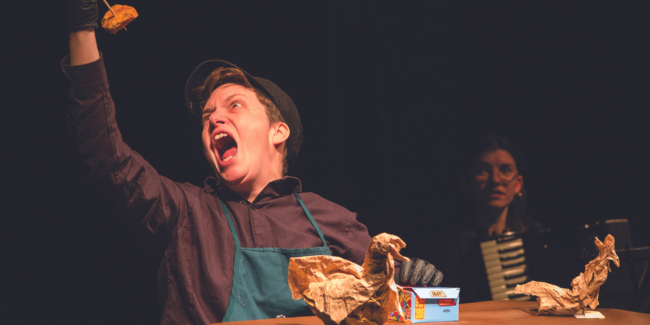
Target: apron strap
226,211
311,219
238,257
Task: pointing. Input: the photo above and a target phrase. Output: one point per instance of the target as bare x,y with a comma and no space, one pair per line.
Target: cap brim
198,76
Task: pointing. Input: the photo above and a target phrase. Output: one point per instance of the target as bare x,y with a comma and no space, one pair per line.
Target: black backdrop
389,93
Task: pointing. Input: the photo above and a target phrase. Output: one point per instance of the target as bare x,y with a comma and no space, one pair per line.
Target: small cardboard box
433,304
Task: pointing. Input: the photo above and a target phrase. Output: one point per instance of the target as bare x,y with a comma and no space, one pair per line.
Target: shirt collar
275,189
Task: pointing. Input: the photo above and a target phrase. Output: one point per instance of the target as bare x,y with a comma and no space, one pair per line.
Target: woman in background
495,187
496,204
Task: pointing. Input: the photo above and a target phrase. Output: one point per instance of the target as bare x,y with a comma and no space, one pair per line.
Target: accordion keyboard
505,265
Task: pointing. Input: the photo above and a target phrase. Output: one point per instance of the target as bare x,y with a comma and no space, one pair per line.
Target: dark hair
495,142
222,76
517,219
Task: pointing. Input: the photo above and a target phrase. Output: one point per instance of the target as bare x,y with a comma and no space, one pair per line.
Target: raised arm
137,193
82,21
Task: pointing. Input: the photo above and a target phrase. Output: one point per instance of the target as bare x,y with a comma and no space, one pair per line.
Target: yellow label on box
437,294
419,308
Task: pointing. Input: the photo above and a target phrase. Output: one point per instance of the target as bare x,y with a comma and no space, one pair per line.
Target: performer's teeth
225,146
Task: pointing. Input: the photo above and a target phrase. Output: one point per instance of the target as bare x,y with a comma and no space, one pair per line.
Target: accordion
504,258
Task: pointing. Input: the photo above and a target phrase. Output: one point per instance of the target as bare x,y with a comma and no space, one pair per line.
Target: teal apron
260,286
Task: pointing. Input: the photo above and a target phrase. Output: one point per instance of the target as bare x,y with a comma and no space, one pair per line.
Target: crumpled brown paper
118,17
585,287
341,292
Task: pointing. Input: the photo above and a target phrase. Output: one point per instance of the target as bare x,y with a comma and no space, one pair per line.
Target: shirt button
242,202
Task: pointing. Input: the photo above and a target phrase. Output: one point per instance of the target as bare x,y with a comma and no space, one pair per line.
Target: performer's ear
279,133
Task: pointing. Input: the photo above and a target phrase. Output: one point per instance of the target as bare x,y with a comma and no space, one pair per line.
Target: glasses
505,176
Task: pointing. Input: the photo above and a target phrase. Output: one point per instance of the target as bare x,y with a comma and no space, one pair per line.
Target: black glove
82,14
418,273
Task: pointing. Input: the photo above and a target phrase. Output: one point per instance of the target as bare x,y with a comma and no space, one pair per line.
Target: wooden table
497,312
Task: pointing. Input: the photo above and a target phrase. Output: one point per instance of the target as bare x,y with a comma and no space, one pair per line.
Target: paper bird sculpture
341,292
554,300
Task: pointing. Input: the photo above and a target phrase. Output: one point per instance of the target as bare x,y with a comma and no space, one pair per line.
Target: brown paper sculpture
554,300
341,292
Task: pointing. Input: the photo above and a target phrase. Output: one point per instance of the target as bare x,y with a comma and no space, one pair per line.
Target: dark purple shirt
184,224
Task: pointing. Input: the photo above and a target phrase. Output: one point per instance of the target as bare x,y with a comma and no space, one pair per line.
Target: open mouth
225,145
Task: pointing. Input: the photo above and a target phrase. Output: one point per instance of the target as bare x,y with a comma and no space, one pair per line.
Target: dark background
389,94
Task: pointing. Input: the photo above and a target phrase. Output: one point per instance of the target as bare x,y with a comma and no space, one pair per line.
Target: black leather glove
418,273
82,14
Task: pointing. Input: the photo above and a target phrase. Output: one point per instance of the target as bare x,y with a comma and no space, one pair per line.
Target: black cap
284,103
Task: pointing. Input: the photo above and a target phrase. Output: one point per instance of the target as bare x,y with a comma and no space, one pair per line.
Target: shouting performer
224,248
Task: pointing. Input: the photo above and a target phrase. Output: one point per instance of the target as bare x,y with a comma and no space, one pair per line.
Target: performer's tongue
229,154
226,146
